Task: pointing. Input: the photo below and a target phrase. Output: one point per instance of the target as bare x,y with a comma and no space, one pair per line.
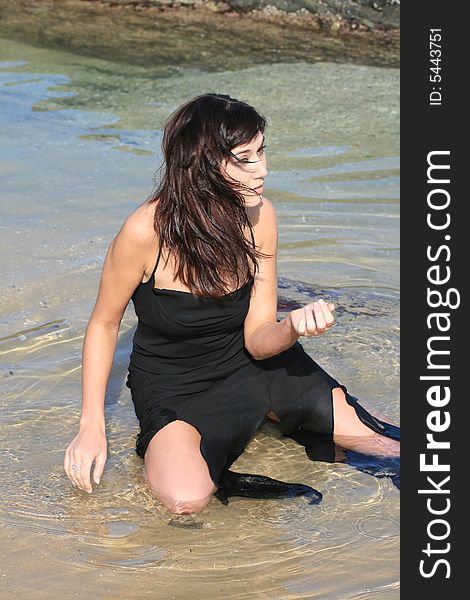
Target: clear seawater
79,150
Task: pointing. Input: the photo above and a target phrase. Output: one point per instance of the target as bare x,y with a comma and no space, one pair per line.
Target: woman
210,359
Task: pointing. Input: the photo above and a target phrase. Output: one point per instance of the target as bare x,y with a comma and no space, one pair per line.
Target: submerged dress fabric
189,363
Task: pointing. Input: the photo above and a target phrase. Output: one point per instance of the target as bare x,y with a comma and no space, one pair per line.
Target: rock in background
210,34
372,13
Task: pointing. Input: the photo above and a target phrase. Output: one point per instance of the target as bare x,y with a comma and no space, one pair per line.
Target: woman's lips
259,188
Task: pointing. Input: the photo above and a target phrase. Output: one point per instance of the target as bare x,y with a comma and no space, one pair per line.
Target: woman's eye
245,160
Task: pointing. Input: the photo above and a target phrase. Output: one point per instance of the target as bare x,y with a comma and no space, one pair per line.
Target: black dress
189,363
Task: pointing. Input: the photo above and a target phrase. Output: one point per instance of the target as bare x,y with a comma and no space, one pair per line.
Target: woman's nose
262,170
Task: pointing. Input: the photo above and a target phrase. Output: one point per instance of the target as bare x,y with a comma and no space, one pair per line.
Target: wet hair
200,215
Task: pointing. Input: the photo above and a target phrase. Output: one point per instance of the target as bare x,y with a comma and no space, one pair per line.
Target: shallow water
79,149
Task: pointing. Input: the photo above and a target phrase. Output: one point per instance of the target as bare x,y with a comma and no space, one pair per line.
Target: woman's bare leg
351,433
176,471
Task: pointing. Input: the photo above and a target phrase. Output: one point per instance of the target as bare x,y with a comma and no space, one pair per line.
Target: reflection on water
69,178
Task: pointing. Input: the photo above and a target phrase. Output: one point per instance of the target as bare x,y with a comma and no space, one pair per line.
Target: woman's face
248,167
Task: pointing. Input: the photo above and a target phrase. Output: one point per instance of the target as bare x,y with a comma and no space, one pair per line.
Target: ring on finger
75,467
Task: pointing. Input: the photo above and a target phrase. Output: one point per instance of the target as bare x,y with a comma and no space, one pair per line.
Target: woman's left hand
313,319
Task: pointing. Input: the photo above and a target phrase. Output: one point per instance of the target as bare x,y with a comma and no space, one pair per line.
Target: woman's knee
183,507
183,499
175,470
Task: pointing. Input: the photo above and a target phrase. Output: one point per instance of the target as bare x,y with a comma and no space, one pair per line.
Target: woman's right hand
88,445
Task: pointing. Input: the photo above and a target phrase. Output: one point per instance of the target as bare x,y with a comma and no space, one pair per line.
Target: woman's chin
253,200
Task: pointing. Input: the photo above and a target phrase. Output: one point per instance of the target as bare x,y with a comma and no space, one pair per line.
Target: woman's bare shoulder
265,224
138,227
267,209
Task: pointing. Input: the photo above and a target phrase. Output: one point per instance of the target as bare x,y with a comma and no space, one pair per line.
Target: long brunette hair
199,215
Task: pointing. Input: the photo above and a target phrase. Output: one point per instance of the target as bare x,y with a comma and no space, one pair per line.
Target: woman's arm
123,269
264,335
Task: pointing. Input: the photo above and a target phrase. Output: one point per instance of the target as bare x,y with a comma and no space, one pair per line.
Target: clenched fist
313,319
